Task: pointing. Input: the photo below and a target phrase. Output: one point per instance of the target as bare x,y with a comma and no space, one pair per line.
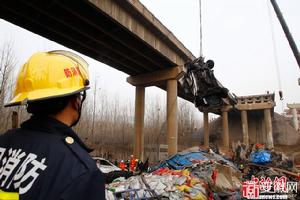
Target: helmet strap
82,98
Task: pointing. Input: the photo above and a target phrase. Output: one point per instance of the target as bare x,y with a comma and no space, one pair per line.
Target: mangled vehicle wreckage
200,82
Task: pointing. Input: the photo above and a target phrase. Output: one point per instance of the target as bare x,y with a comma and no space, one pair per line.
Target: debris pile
193,174
199,174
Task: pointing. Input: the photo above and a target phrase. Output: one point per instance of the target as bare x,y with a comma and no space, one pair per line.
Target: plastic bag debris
260,157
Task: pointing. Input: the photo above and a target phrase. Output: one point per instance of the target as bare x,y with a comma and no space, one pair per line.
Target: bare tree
7,65
186,120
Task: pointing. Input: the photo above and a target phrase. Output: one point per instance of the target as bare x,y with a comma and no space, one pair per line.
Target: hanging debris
200,81
280,95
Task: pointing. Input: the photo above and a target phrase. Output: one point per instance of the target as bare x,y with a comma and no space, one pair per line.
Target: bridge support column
206,129
225,128
14,120
268,124
245,127
172,124
139,122
295,119
170,76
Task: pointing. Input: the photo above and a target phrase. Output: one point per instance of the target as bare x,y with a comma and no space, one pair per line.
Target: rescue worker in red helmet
45,159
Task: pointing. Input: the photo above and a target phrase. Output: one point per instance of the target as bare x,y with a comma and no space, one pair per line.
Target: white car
105,166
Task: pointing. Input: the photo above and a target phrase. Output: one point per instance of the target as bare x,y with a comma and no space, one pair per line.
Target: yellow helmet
49,75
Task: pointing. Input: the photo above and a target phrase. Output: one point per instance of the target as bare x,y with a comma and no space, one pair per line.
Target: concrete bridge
123,35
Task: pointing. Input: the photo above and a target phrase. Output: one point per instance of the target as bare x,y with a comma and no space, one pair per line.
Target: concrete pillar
139,122
295,119
15,120
172,124
268,124
225,129
245,127
206,129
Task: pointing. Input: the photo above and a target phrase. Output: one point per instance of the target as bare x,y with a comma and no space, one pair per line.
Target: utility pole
287,32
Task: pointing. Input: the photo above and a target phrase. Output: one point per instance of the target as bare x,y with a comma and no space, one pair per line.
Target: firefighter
45,159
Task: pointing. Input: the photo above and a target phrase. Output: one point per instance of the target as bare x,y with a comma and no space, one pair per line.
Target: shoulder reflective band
9,195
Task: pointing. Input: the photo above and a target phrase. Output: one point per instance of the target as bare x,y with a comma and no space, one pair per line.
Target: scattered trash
205,175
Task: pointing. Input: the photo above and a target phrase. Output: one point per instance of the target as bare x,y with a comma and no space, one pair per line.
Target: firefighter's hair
48,106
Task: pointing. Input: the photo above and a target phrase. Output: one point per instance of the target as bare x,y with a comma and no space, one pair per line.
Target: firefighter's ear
75,102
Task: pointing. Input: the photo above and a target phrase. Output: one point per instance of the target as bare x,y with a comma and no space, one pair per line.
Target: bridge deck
121,34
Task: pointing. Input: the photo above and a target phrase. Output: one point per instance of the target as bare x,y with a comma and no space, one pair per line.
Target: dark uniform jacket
45,159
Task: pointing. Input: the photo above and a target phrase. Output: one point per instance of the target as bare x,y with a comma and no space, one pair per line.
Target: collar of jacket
53,126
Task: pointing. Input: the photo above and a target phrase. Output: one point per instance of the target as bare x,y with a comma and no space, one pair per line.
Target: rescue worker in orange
122,165
132,163
45,159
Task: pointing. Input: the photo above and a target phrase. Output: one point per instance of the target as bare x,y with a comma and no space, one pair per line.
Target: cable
275,52
200,29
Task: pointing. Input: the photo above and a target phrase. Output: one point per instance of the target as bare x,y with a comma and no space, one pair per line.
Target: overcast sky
236,35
